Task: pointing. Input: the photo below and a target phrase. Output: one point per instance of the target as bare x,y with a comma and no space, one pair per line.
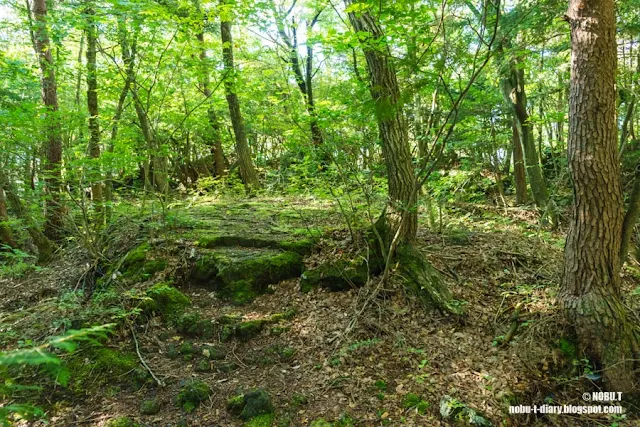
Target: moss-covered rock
121,422
240,274
150,407
214,352
139,266
99,366
190,324
338,276
265,420
233,327
251,404
191,394
165,300
300,245
203,366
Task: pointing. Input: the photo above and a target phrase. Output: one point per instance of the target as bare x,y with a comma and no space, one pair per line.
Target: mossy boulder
100,366
192,325
150,407
300,245
192,394
139,266
265,420
240,274
121,422
165,300
251,404
337,276
243,330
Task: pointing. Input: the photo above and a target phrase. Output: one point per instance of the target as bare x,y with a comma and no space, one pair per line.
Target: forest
319,213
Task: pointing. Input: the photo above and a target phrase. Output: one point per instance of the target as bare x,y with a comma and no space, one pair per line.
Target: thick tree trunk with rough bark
92,106
53,163
519,174
590,292
243,151
513,91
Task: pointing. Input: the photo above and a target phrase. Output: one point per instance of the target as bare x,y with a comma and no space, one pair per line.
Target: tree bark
53,165
92,106
215,137
590,292
6,236
519,174
42,242
243,151
128,54
392,127
513,91
303,80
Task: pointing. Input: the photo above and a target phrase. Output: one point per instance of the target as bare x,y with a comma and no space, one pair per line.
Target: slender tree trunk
243,151
6,236
92,106
392,127
215,138
590,292
53,164
128,54
513,91
519,174
396,229
42,242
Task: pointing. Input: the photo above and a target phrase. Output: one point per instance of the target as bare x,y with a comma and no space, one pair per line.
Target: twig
144,363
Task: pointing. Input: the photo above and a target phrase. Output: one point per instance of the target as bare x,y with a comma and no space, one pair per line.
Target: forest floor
318,354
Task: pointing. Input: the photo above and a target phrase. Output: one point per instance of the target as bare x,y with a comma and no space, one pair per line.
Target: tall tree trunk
92,106
590,292
243,151
6,236
42,242
215,138
519,174
392,127
513,91
303,80
396,229
128,56
53,164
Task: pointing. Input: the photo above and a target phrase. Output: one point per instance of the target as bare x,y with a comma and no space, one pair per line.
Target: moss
121,422
289,314
250,405
213,352
203,366
100,366
165,300
235,404
300,246
192,394
265,420
205,270
137,265
190,324
249,329
321,422
150,407
338,276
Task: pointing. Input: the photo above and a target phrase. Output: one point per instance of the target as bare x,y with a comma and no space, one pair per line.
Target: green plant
42,358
